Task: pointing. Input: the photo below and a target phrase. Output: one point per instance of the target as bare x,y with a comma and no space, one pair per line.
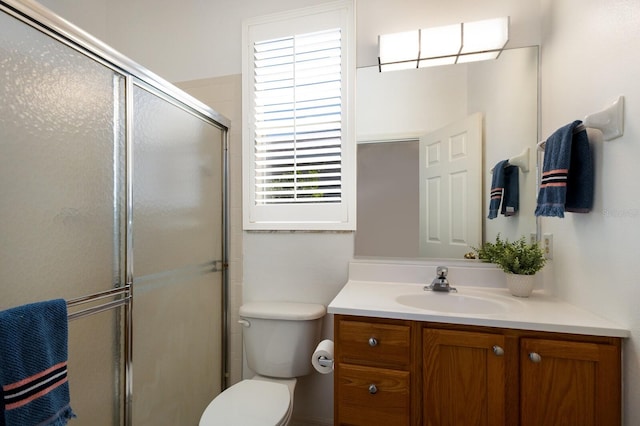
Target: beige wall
388,206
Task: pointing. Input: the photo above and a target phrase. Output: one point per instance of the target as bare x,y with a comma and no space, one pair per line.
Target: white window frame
321,216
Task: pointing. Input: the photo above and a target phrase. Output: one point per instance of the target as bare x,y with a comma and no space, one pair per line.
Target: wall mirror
394,109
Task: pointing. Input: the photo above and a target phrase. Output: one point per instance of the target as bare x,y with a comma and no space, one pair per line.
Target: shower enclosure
113,197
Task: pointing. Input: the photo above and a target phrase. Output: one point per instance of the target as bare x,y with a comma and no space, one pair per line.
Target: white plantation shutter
298,152
298,119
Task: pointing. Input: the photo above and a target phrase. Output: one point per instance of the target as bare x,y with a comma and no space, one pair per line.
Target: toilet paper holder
322,358
324,361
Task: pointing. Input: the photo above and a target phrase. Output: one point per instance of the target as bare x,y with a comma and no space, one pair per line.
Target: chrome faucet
440,283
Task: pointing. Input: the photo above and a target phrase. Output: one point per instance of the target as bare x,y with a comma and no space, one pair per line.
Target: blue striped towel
33,365
505,190
567,173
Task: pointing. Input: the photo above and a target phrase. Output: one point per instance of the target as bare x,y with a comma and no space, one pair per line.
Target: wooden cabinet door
464,378
569,383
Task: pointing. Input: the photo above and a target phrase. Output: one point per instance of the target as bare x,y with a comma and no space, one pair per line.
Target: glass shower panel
61,153
177,248
95,370
62,163
176,348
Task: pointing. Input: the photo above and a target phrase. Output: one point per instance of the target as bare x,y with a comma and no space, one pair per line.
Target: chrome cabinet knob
535,357
373,342
373,389
497,350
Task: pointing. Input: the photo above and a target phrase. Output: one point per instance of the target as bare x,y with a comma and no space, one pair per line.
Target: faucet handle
440,283
442,271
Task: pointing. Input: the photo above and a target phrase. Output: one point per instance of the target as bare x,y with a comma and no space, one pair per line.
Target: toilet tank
280,337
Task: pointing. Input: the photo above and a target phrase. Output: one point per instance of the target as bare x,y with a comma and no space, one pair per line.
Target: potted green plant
490,251
518,259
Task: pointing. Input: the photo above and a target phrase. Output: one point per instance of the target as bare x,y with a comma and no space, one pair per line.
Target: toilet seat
249,403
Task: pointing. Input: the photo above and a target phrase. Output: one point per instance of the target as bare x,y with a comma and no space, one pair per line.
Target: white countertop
539,312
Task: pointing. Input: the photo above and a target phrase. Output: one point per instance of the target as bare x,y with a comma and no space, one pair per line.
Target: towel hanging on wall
567,173
33,365
505,190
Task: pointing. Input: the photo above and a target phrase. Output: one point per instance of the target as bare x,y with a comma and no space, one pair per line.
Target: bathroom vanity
404,356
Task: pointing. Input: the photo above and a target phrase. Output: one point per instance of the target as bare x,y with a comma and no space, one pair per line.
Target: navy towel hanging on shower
33,364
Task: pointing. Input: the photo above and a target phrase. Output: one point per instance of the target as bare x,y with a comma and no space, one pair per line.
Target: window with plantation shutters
298,119
298,152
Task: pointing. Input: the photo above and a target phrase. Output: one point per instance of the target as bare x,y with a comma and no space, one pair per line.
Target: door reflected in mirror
395,109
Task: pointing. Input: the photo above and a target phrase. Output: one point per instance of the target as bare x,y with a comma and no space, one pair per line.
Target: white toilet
279,340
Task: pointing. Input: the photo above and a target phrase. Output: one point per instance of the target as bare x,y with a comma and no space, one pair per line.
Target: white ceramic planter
520,285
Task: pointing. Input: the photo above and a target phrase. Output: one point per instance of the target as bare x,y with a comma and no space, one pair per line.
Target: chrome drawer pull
373,342
373,389
498,350
535,357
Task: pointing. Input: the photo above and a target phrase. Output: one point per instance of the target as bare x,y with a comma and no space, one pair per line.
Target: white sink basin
454,303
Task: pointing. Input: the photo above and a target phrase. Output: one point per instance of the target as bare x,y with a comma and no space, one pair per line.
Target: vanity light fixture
449,44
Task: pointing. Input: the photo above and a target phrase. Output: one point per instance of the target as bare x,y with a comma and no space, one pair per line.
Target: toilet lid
248,403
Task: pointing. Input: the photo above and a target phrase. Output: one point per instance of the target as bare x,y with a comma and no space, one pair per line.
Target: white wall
178,40
196,39
589,57
408,102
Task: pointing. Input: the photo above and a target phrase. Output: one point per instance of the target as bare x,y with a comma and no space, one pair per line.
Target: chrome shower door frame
43,20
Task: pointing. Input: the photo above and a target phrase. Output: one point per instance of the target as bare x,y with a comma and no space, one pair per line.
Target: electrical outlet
547,245
533,238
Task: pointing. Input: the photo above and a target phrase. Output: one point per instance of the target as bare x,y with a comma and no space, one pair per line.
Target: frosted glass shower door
62,200
177,248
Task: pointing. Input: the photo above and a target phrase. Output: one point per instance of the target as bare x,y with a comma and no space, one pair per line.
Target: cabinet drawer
369,396
375,344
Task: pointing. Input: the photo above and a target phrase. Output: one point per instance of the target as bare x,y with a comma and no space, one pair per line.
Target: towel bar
610,121
124,291
521,160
